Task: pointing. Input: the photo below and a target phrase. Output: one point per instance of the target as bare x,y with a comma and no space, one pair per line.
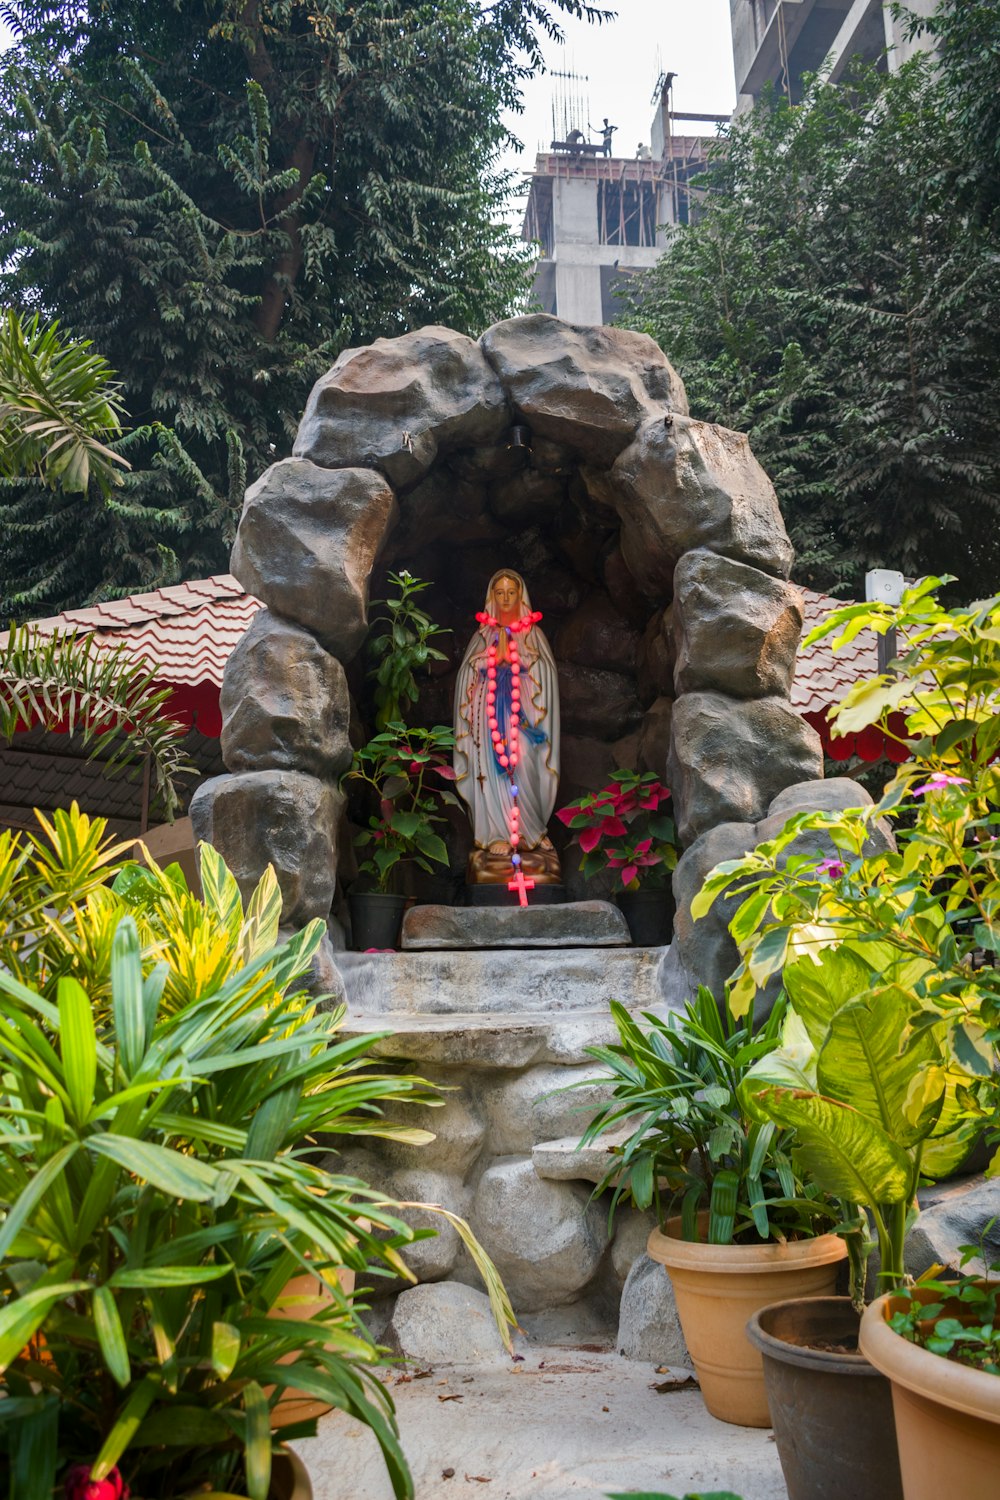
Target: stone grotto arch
653,543
655,548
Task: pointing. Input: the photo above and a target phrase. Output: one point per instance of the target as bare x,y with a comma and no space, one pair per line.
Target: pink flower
831,867
938,782
589,839
567,814
79,1485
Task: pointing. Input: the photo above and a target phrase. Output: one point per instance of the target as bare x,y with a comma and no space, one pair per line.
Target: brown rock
656,658
396,403
585,388
597,636
307,540
730,759
279,818
527,498
706,947
600,704
285,705
654,738
737,629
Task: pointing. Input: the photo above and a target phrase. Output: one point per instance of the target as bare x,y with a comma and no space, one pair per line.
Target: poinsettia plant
622,828
408,771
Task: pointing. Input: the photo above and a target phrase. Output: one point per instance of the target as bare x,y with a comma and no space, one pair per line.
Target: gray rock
730,759
705,948
540,1105
396,403
457,1125
307,540
838,793
959,1216
692,485
648,1326
633,1227
585,388
580,924
444,1323
528,498
324,979
285,704
566,1160
737,629
832,795
546,1238
281,818
430,1259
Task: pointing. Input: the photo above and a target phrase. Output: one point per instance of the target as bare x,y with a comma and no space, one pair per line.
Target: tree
223,194
833,301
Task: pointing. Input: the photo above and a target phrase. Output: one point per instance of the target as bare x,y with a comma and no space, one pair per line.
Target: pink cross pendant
521,886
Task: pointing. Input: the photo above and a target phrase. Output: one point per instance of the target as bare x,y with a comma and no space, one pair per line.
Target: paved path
560,1425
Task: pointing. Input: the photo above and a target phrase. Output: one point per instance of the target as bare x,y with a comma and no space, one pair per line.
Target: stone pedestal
504,1033
577,924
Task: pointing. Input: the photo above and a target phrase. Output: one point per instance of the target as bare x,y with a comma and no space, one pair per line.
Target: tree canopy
222,195
838,298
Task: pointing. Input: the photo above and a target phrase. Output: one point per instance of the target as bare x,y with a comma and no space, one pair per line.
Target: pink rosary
508,755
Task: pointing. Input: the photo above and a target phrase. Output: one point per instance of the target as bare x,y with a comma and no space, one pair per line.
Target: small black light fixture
668,420
519,437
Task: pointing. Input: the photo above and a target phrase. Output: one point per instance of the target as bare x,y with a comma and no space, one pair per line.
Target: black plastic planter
650,917
831,1409
375,919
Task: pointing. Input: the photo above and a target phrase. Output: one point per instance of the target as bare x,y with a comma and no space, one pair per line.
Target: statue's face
506,595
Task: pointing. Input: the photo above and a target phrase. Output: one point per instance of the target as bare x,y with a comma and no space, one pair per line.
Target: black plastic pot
831,1410
375,919
650,917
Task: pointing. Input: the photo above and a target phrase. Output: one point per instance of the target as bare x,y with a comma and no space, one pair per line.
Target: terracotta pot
947,1415
719,1288
304,1296
831,1409
289,1480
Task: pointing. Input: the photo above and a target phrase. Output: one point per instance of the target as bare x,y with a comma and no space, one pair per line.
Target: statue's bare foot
499,846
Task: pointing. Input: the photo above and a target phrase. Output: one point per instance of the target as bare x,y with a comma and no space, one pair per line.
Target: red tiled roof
186,631
822,676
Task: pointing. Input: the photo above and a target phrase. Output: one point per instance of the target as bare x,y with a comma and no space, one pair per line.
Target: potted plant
156,1191
738,1229
399,646
401,768
621,828
890,1069
939,1345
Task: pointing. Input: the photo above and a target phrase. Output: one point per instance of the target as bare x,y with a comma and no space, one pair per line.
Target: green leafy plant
648,1495
63,681
621,828
395,767
889,953
57,402
400,646
162,1183
961,1322
692,1145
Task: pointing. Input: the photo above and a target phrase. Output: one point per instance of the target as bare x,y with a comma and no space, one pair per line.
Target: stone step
574,924
489,1042
506,981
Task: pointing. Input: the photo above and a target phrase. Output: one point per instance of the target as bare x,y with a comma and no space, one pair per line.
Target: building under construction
598,216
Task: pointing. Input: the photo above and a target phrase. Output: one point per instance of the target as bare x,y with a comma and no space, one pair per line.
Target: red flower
79,1485
567,814
589,839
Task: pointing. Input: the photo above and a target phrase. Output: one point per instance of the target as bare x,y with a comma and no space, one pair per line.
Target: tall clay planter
718,1289
947,1415
830,1408
303,1299
289,1480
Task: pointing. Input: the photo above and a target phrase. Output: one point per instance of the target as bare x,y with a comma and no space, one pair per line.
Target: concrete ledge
576,924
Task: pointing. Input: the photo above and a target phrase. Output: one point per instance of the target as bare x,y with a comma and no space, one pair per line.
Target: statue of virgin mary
507,737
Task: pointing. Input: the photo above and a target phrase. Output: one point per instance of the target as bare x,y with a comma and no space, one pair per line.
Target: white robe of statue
482,782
